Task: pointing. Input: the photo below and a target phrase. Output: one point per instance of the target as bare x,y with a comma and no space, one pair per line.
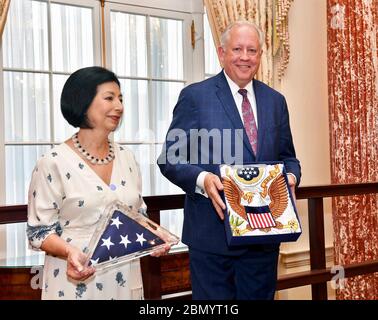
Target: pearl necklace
88,156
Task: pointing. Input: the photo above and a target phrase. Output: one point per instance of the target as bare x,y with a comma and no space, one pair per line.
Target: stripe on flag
261,220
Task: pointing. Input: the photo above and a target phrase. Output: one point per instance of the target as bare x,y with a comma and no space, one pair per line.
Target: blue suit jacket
209,105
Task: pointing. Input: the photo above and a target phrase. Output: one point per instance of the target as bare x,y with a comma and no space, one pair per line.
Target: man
258,117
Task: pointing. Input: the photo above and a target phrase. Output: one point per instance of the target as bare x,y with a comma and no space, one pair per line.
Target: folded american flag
123,236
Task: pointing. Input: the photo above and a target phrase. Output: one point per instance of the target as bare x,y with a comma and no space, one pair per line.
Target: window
149,48
148,55
38,56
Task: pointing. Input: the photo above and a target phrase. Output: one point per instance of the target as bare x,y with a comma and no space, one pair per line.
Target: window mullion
2,133
150,101
51,91
28,143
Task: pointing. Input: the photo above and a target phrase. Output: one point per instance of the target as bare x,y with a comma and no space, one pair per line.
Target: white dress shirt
238,98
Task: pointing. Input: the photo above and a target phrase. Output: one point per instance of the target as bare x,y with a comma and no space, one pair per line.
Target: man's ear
221,53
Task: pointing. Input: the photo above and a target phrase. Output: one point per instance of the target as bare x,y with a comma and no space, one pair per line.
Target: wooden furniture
170,274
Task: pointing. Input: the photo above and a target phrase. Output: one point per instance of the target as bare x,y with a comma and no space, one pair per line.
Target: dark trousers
251,276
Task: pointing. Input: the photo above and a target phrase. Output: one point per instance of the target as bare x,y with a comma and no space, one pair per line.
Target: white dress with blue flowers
66,197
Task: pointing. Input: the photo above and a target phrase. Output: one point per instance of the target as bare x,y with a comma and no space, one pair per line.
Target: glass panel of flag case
124,234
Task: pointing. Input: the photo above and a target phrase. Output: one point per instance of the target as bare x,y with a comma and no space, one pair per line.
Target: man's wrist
294,177
200,183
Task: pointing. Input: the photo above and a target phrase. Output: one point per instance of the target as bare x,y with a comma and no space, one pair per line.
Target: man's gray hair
239,23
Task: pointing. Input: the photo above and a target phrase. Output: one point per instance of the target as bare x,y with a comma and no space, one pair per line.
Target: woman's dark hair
79,92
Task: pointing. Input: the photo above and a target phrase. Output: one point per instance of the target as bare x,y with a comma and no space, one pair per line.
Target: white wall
305,88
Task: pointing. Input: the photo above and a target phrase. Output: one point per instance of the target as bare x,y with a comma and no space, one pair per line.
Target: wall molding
301,258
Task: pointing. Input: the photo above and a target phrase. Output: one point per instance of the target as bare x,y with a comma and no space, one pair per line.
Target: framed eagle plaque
259,205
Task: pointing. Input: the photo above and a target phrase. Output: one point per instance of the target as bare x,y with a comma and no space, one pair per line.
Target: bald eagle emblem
257,198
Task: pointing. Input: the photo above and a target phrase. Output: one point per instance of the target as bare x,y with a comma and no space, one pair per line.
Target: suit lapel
229,106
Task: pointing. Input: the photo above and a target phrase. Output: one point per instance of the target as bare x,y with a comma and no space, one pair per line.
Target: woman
73,183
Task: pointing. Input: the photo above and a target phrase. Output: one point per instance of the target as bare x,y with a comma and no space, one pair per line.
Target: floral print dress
67,197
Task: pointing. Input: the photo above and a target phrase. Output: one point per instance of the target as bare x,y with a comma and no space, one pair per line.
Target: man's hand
291,181
213,185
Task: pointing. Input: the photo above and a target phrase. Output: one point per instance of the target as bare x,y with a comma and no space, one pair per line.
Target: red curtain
353,110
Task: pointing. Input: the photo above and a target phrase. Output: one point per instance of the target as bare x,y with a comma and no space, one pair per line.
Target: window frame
188,53
187,11
155,13
95,6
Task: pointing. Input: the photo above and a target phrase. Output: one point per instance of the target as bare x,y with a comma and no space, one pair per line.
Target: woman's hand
161,252
75,265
